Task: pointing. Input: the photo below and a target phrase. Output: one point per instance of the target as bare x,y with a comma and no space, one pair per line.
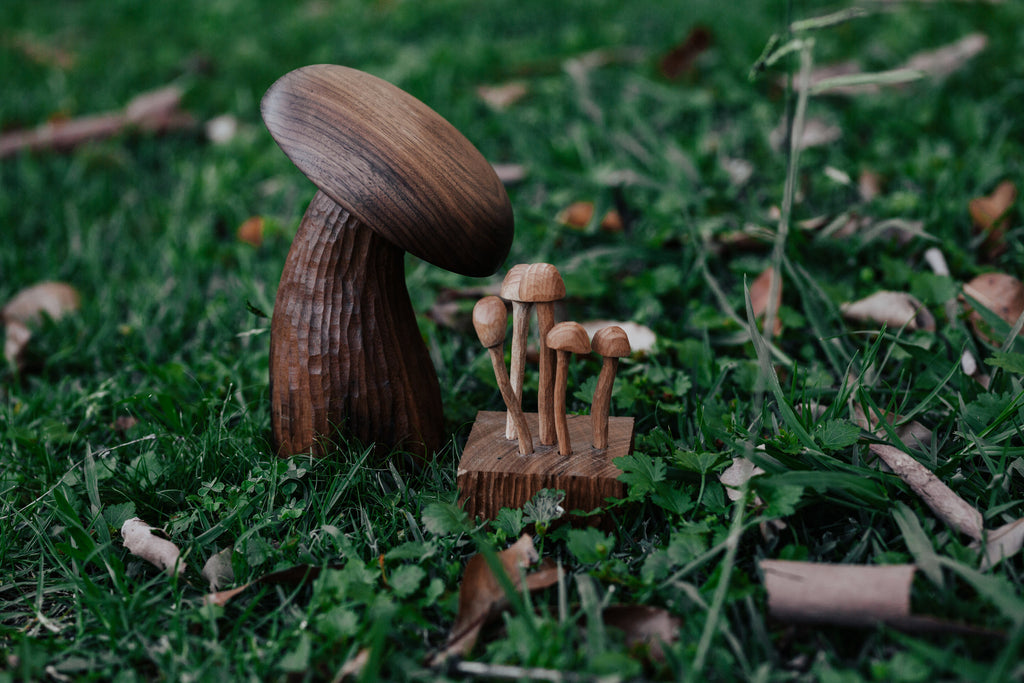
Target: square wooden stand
492,474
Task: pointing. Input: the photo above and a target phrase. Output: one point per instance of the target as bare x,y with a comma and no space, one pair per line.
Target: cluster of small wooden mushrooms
540,285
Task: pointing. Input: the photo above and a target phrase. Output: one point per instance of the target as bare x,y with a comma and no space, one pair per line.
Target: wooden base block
492,474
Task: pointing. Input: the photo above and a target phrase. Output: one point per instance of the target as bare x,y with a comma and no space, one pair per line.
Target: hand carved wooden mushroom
393,176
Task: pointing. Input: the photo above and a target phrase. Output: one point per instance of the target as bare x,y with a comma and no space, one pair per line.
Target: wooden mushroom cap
489,321
539,283
611,342
569,336
393,163
533,283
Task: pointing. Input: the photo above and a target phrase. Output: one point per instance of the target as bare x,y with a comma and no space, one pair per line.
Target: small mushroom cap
513,278
393,163
569,336
490,320
611,342
540,282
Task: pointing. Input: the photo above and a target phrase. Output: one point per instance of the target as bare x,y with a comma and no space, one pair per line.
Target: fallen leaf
156,111
579,214
848,595
122,423
736,475
815,133
481,597
292,576
681,59
1001,543
911,433
354,666
251,231
218,570
738,170
935,259
760,290
641,338
141,541
948,58
894,309
500,97
509,174
43,53
646,628
990,216
944,502
869,185
27,309
1000,293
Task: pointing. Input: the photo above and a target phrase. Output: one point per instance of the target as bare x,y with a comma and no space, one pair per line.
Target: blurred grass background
144,226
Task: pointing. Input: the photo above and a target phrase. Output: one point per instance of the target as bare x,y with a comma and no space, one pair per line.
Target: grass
144,228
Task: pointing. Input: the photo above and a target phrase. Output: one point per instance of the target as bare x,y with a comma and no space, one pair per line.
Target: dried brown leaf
42,52
912,433
27,309
501,97
292,576
141,541
681,59
354,666
848,595
579,214
894,309
869,184
1000,293
948,58
816,133
760,290
251,231
156,111
646,628
736,475
944,502
481,596
218,570
990,215
509,174
1001,543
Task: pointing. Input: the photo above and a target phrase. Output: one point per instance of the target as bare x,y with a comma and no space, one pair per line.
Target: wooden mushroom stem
345,349
602,401
490,321
547,383
514,409
561,421
520,335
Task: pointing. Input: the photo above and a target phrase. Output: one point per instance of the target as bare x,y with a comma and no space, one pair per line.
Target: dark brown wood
493,475
394,176
394,163
345,350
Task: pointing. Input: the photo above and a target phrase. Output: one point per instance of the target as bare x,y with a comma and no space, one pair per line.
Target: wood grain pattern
394,163
601,406
394,176
345,350
492,474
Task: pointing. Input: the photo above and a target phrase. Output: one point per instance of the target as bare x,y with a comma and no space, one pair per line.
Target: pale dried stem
944,502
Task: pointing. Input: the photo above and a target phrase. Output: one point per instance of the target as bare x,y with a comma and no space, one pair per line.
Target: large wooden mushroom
393,176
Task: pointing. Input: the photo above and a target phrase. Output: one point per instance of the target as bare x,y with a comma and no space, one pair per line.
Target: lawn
152,398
